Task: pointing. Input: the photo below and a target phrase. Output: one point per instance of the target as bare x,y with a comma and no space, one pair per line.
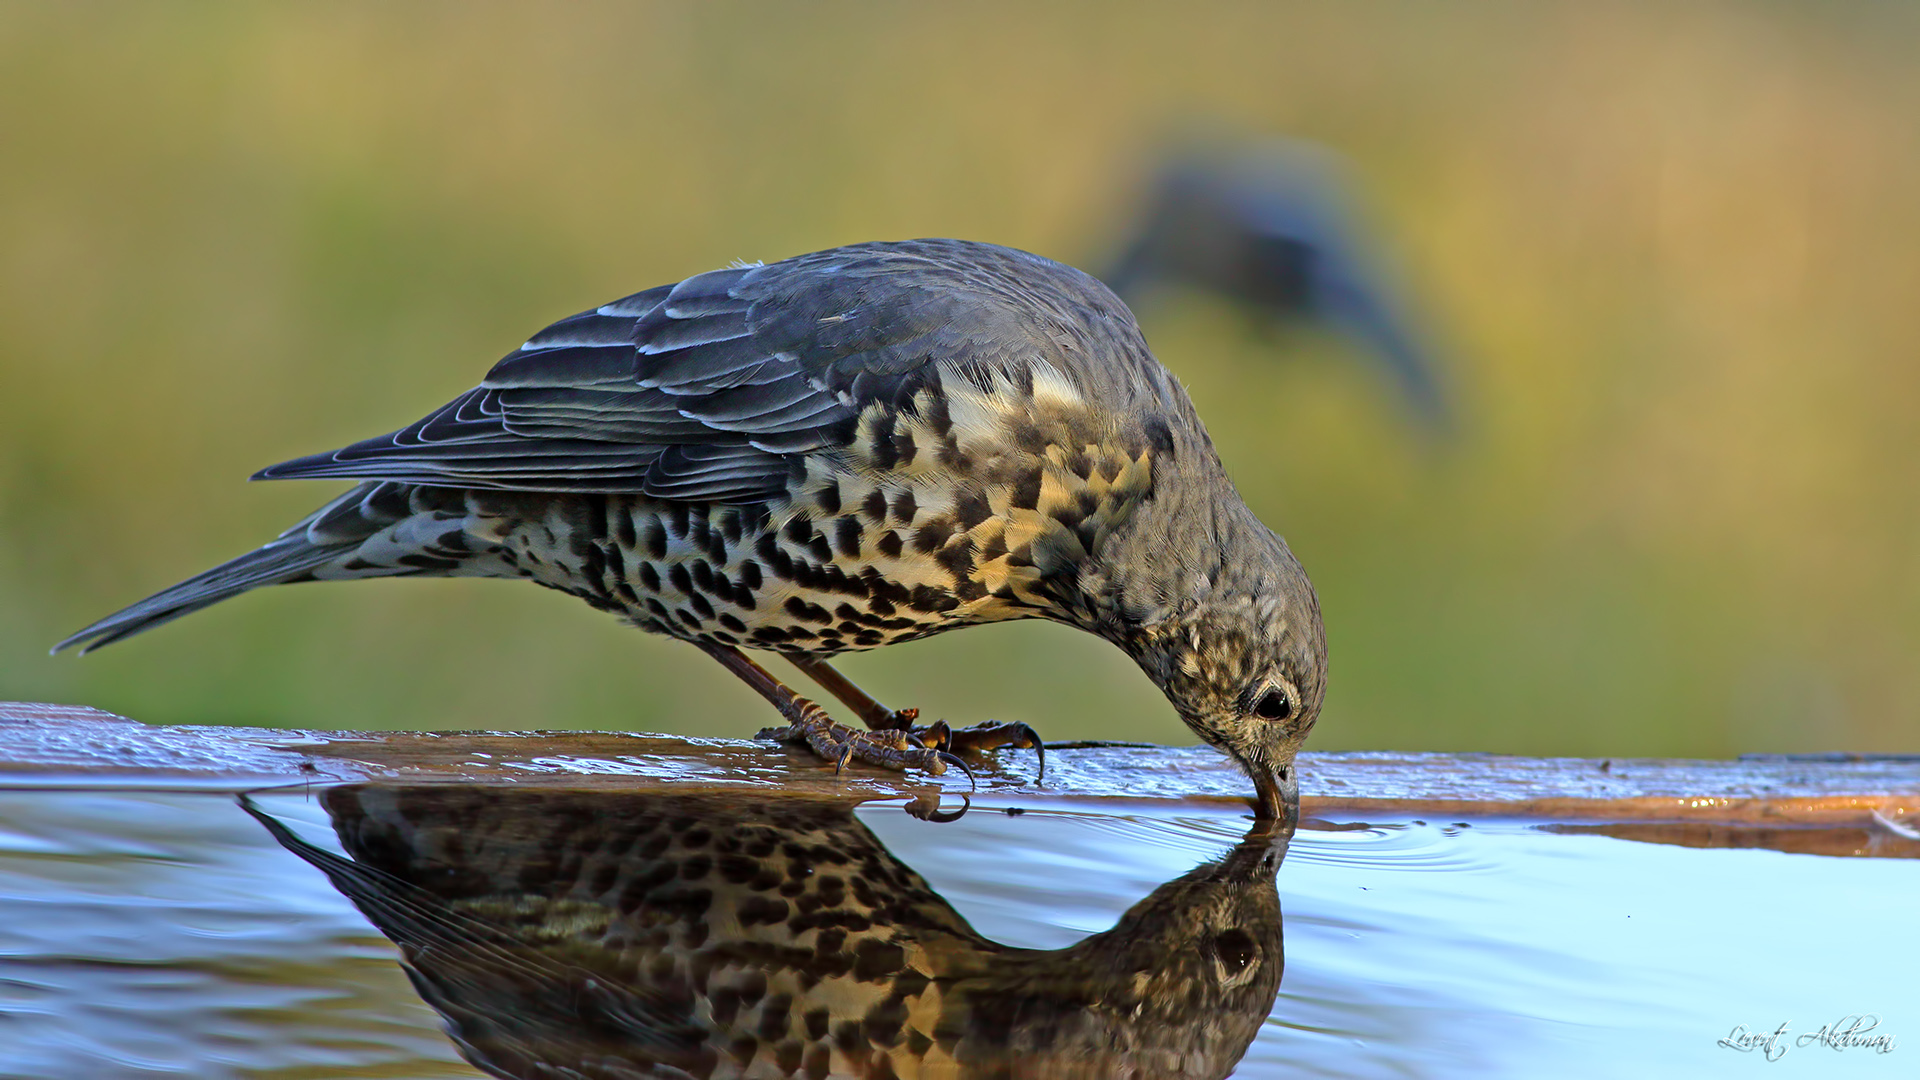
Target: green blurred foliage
1669,250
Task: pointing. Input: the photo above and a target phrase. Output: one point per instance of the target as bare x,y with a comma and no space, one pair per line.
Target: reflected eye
1235,949
1273,705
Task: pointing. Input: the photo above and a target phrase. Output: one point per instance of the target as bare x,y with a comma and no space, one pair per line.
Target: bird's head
1245,664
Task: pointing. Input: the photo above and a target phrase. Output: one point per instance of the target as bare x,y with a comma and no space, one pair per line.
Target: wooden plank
45,743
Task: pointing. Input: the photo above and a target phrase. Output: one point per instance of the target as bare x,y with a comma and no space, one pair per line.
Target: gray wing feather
757,363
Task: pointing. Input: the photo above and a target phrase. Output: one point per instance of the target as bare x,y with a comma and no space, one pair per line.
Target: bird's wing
707,389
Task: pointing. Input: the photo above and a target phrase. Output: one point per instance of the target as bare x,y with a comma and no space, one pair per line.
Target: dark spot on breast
969,591
928,598
904,507
800,529
956,558
657,607
703,576
888,544
971,508
846,535
1081,463
677,573
731,525
885,454
727,620
649,577
806,612
995,547
770,634
879,605
687,619
875,506
1026,437
846,1035
738,869
816,1021
676,518
742,1048
786,1052
749,572
700,606
623,529
952,457
932,535
1026,491
781,564
656,539
755,910
874,959
882,1026
934,413
820,548
890,590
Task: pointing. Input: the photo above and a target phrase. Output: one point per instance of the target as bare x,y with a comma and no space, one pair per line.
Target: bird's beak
1278,796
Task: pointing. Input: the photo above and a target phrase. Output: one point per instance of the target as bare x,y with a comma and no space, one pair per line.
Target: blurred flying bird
1266,223
832,453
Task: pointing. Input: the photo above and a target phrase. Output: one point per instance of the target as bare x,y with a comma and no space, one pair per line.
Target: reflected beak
1278,795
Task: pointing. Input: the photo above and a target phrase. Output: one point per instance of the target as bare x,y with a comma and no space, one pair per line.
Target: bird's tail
335,532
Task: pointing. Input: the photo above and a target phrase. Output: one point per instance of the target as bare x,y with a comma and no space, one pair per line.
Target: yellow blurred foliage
1670,251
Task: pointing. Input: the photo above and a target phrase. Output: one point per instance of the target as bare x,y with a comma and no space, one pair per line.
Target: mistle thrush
832,453
618,935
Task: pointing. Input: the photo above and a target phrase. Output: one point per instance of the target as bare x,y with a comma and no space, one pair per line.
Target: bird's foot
888,749
978,739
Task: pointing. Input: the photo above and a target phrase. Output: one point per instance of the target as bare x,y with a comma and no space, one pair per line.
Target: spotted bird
619,935
832,453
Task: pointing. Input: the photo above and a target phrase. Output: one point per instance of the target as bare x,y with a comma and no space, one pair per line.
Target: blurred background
1667,258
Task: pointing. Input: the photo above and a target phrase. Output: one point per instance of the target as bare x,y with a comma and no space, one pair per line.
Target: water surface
154,933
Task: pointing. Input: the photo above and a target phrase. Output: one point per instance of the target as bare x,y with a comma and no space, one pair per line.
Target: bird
832,453
621,934
1267,223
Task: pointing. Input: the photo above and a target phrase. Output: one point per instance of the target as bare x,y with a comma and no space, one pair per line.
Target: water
154,933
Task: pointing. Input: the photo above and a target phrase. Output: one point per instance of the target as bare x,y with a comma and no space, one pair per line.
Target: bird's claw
982,737
972,784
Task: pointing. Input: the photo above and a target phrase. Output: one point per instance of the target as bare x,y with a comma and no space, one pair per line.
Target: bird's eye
1273,705
1235,950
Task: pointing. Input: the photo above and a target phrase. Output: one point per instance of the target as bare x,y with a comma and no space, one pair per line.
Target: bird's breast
951,508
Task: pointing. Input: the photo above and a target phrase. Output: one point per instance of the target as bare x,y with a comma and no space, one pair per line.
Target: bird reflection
1265,223
642,934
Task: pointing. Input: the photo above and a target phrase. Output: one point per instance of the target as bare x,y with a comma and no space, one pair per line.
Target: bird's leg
871,712
979,738
808,723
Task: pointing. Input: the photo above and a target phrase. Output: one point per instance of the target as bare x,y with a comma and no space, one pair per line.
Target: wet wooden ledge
62,744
